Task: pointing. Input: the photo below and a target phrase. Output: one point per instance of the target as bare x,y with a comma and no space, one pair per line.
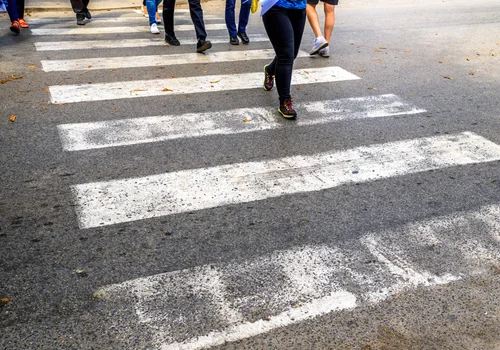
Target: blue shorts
315,2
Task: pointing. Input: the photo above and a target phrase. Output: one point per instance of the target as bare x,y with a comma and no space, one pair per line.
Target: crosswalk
312,279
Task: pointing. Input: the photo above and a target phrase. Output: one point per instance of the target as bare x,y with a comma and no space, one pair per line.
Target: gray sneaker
325,52
319,43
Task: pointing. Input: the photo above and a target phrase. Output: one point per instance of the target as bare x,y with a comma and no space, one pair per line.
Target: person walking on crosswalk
15,9
196,13
81,10
284,23
152,8
320,45
241,32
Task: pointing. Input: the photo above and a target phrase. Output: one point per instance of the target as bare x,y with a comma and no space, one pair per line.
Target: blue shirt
292,4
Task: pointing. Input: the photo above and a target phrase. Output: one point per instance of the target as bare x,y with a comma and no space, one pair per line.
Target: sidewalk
98,5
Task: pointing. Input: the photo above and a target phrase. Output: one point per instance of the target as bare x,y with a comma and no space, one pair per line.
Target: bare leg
312,17
329,20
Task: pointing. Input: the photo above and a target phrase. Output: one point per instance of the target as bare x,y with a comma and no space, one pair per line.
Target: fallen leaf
117,109
376,50
12,118
361,71
167,89
138,89
448,78
372,88
467,59
471,73
12,77
44,108
114,69
408,50
379,61
246,120
89,67
31,66
382,48
214,81
46,89
5,300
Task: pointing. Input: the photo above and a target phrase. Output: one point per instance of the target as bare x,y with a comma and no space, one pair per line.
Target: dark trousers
196,16
15,8
284,28
79,5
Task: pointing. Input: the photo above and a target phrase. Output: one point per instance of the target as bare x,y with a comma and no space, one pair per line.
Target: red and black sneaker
268,80
286,109
15,27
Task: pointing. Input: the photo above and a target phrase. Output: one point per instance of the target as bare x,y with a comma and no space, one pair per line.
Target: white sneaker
319,43
154,29
324,52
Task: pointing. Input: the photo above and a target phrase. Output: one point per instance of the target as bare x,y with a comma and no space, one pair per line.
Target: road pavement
153,197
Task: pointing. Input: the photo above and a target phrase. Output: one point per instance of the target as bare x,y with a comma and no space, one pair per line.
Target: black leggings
79,5
284,28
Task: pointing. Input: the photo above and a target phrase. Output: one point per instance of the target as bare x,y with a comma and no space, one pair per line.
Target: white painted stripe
106,203
126,43
61,22
158,60
189,85
336,301
85,136
88,30
275,285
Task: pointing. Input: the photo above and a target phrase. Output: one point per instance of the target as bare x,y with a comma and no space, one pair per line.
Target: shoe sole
205,47
264,84
287,116
315,52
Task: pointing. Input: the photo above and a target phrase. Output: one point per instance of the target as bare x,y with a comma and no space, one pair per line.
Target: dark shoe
203,45
244,38
233,40
87,14
286,109
80,19
15,27
268,80
171,40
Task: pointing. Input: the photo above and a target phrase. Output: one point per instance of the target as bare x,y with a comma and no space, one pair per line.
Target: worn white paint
123,132
112,202
128,43
188,85
90,30
282,280
158,60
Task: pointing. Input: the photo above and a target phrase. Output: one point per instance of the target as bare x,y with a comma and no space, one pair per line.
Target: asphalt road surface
153,198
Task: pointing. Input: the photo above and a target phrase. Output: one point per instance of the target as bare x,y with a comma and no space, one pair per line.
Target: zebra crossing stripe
304,282
188,85
124,200
85,136
127,43
88,30
70,21
158,60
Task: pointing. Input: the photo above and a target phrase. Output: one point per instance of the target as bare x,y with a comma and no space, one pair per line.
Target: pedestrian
81,10
196,13
15,9
284,23
320,45
241,32
152,9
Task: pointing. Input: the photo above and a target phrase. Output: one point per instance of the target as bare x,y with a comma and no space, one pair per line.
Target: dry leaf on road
12,118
